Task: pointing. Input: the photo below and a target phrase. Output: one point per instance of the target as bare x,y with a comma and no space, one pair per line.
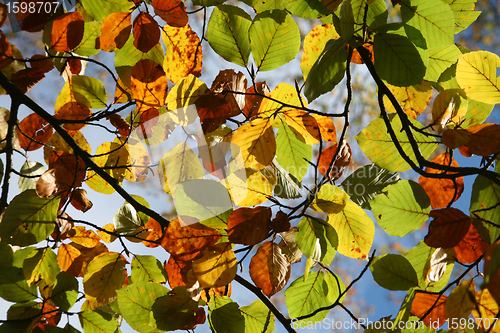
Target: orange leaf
484,139
187,242
213,111
69,172
86,238
41,62
306,125
73,111
5,51
3,13
177,272
270,269
108,238
184,55
34,20
423,302
172,11
36,128
69,259
471,247
67,31
154,233
343,159
25,79
50,318
252,102
80,201
249,226
356,58
465,151
121,124
115,31
149,85
441,191
448,228
326,127
485,311
146,32
455,138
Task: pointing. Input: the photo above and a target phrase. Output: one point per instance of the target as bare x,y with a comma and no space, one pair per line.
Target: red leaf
34,127
471,247
146,32
25,79
67,31
172,11
448,228
249,226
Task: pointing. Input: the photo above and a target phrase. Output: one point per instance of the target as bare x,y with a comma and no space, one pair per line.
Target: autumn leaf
184,54
171,11
73,111
36,128
471,247
115,31
216,266
249,226
448,228
146,32
177,271
484,139
424,302
442,191
86,238
67,31
270,269
149,85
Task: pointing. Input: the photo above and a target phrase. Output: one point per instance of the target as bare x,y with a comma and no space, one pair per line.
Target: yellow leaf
216,266
105,275
355,230
183,55
413,99
488,309
105,236
257,143
149,85
330,199
285,94
314,43
477,75
461,300
86,238
181,98
249,187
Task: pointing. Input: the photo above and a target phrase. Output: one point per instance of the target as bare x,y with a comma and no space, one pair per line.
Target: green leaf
258,318
420,259
41,264
477,75
13,285
484,205
30,169
477,113
129,55
355,231
100,9
135,302
328,70
363,184
227,33
263,5
27,310
274,39
313,232
96,321
394,272
464,13
330,199
89,91
174,310
319,290
148,269
207,3
89,45
7,256
21,255
127,219
292,152
376,143
288,187
376,15
433,19
65,291
404,201
398,60
440,59
224,315
308,9
29,219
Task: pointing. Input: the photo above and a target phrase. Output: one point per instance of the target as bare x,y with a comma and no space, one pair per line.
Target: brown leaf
448,228
149,85
25,79
200,319
423,302
36,128
35,20
84,237
343,159
67,32
115,31
171,11
252,102
270,268
484,139
187,242
213,111
441,191
281,222
228,80
64,224
455,138
41,62
5,51
177,271
289,246
69,171
46,185
465,151
249,226
80,201
155,233
3,13
146,32
121,124
73,111
471,247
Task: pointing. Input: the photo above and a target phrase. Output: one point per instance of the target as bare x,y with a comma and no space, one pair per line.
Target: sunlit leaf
148,269
330,199
448,228
129,55
249,226
100,9
115,31
86,238
172,11
28,219
33,126
96,321
424,302
89,44
402,201
293,154
258,318
274,39
484,139
486,308
224,315
146,32
216,266
67,31
149,85
41,265
89,91
413,99
461,300
394,272
440,59
317,240
306,9
270,269
355,231
471,247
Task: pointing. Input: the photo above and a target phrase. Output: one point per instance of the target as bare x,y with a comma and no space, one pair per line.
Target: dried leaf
249,226
80,201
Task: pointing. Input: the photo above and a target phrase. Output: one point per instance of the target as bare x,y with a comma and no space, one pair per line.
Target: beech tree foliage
259,178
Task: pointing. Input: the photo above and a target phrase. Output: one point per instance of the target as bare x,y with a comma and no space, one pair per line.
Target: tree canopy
259,177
